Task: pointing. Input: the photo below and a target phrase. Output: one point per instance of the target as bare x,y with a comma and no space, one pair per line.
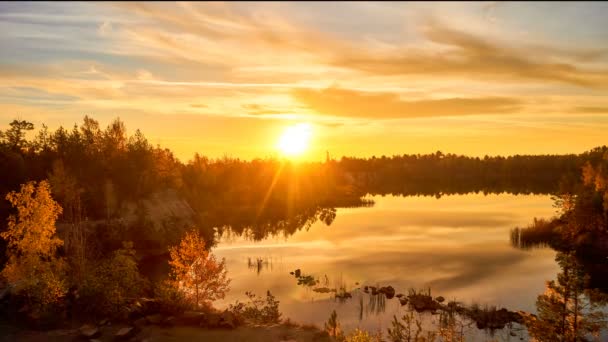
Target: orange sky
371,78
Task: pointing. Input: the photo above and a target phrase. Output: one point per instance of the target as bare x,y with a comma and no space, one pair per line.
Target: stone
399,295
89,331
389,292
403,300
322,290
125,333
227,320
168,322
440,299
298,273
212,321
192,318
140,322
154,319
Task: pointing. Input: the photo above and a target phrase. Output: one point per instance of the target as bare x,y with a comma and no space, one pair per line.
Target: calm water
457,245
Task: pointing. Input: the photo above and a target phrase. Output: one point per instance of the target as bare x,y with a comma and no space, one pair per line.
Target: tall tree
565,312
15,136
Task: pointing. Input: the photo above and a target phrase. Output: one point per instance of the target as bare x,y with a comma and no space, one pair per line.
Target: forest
84,205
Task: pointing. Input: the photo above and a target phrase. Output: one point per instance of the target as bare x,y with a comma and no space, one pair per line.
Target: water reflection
457,245
258,264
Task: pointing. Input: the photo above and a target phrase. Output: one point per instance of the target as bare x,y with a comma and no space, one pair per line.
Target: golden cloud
350,103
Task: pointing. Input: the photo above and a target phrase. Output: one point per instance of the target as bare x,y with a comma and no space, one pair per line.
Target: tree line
100,176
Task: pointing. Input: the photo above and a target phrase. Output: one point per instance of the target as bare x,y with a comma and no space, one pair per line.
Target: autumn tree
33,268
196,272
565,312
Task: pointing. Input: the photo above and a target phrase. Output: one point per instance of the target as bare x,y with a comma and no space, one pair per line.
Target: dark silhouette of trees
99,175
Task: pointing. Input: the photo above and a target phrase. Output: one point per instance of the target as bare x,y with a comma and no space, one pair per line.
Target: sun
295,139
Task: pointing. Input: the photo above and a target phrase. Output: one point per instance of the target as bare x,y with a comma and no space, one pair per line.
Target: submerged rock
323,290
440,299
388,291
89,331
154,319
125,333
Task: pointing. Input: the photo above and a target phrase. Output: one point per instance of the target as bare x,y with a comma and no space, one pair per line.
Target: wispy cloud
465,55
350,103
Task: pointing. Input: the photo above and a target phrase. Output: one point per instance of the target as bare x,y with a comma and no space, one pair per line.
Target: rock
211,321
89,331
154,319
125,333
403,300
291,273
168,322
192,318
140,322
322,290
227,320
389,292
374,290
298,273
440,299
149,306
344,295
366,289
399,295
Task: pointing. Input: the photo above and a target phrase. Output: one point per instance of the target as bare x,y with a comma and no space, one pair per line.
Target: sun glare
295,139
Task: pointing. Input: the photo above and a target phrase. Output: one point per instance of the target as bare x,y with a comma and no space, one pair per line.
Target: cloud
381,105
465,55
591,110
35,97
258,109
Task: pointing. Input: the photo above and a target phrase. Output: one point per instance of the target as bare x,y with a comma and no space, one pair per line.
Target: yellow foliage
196,272
32,230
33,267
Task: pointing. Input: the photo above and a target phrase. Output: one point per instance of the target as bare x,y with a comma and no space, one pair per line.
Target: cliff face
158,209
154,223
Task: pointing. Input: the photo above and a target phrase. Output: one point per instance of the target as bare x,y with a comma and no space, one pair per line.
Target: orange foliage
196,272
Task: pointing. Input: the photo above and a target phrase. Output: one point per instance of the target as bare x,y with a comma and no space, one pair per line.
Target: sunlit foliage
33,268
114,283
196,271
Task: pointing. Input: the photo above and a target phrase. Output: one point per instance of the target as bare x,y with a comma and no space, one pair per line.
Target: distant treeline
443,174
97,174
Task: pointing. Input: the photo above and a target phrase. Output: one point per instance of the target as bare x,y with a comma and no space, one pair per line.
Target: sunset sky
370,78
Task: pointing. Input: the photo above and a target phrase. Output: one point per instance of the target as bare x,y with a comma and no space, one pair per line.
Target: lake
458,246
